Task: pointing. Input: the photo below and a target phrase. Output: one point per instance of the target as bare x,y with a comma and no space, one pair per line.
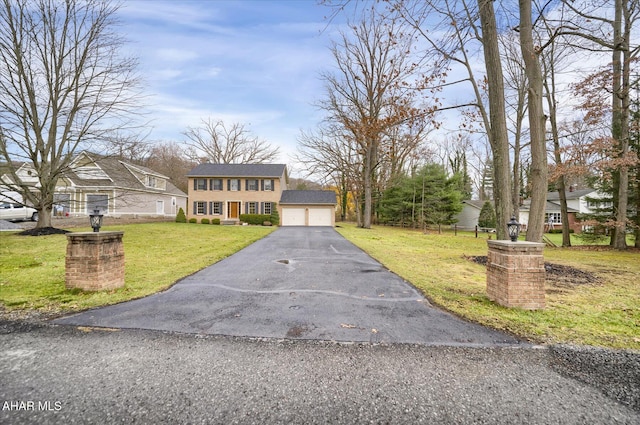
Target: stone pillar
515,274
95,261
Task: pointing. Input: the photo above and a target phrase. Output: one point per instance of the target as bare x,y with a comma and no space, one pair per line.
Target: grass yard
32,269
605,314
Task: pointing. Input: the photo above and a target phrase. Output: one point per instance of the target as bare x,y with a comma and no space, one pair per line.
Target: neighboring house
576,204
115,187
467,219
224,191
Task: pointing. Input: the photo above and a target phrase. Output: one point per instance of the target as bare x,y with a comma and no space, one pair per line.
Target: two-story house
224,191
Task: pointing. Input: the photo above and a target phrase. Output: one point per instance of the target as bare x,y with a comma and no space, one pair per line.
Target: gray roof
120,175
576,194
550,207
474,203
238,170
315,197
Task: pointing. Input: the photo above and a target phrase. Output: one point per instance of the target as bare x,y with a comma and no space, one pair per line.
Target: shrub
181,217
215,221
205,221
256,219
274,218
193,220
487,216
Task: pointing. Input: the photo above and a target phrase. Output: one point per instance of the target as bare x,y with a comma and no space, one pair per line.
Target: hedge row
257,219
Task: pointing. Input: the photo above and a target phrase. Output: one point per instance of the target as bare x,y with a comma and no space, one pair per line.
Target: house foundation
515,274
94,261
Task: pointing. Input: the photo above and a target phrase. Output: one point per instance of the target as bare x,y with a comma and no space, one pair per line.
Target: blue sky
254,62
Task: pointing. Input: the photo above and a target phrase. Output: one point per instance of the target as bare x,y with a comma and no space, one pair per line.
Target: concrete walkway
297,283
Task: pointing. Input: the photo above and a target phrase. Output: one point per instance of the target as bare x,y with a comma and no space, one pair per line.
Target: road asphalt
195,355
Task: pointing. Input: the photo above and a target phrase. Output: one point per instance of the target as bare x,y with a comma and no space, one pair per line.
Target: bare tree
215,141
537,120
516,85
455,33
331,156
614,36
168,158
63,85
373,90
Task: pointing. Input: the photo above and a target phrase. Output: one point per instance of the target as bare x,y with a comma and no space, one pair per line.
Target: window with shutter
200,184
215,184
252,184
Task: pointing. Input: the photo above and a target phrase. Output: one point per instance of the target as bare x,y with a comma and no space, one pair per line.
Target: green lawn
605,314
32,269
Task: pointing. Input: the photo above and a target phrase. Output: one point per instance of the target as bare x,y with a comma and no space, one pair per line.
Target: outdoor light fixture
95,220
513,227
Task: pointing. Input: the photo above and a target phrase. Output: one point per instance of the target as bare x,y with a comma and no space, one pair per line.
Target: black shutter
195,184
228,184
262,185
273,186
195,208
210,207
261,207
246,184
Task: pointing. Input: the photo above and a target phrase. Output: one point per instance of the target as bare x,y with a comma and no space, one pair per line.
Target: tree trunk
498,136
44,217
539,170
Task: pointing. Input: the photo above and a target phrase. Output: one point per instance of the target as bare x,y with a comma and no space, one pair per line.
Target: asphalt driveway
297,283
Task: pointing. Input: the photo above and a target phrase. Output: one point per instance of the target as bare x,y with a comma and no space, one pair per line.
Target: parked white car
15,212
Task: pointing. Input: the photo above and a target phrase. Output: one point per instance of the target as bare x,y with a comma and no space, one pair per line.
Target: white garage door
293,216
320,216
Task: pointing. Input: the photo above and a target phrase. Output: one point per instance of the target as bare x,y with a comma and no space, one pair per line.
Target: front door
233,210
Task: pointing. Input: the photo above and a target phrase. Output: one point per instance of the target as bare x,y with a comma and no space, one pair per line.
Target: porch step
229,222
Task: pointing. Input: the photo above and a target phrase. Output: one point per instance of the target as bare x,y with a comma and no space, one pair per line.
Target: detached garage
308,208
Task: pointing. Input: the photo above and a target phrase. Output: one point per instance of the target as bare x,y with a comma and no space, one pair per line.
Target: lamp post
95,220
513,227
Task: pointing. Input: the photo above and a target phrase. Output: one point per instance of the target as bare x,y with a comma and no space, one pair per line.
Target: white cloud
175,55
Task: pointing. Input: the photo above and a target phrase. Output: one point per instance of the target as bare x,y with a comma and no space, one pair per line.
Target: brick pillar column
515,274
95,261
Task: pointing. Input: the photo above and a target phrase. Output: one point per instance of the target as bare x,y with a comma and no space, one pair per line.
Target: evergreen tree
181,217
429,197
487,218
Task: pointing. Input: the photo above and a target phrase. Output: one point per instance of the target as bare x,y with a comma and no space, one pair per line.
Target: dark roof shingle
238,170
327,197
